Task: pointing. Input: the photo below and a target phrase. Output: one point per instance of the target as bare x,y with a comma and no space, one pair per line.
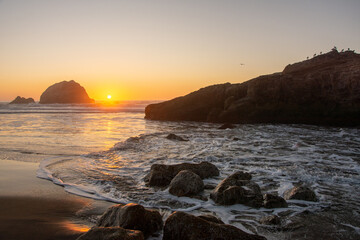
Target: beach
33,208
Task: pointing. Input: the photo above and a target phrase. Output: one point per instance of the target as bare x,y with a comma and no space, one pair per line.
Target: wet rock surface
300,193
274,201
324,90
111,233
161,175
183,226
132,216
186,183
270,220
238,188
175,137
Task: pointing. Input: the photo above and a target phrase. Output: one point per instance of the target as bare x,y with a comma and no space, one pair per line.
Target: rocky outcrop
270,220
175,137
65,92
186,183
273,201
22,100
300,193
238,188
161,175
183,226
132,216
111,233
323,90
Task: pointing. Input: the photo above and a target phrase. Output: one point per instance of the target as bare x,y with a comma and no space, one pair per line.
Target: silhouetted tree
334,48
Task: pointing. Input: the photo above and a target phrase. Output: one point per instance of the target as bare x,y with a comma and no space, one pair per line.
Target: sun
109,96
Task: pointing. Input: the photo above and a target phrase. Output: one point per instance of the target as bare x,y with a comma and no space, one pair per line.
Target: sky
161,49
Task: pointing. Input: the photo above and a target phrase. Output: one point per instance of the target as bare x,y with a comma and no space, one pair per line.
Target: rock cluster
161,175
134,222
324,90
22,100
300,193
65,92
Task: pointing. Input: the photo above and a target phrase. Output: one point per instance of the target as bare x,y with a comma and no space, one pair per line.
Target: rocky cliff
65,92
323,90
22,100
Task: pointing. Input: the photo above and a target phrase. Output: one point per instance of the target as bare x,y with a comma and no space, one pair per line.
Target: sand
33,208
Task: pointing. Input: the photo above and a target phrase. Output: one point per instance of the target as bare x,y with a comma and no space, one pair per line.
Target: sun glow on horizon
108,96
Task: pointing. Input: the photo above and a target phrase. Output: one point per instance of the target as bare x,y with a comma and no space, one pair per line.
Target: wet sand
33,208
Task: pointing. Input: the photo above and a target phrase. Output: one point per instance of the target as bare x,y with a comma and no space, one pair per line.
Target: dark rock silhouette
22,100
175,137
161,175
111,233
183,226
238,188
227,126
300,193
65,92
274,201
132,216
186,183
323,90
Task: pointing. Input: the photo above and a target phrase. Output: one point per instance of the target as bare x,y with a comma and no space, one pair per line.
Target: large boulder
22,100
300,193
237,188
183,226
161,175
323,90
111,233
132,216
274,201
65,92
186,183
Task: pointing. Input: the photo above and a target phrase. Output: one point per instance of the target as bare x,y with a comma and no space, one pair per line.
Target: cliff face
323,90
65,92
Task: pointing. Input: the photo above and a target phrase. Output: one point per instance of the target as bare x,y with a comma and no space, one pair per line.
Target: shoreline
34,208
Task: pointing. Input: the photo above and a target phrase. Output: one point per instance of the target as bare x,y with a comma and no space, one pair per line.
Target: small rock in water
172,136
183,226
186,183
132,216
270,220
300,193
161,175
227,126
111,233
237,188
273,201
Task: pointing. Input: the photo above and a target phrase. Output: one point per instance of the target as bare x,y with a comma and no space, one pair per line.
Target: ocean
104,152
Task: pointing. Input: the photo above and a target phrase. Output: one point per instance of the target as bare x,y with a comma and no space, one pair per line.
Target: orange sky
145,50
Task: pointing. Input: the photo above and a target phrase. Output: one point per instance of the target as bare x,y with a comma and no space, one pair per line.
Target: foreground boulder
111,233
186,183
22,100
132,216
161,175
183,226
323,90
300,193
273,201
238,188
65,92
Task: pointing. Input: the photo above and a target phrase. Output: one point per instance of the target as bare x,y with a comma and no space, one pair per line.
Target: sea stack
65,92
22,100
324,90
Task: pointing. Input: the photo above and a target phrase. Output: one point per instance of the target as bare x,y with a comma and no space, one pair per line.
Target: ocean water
104,152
